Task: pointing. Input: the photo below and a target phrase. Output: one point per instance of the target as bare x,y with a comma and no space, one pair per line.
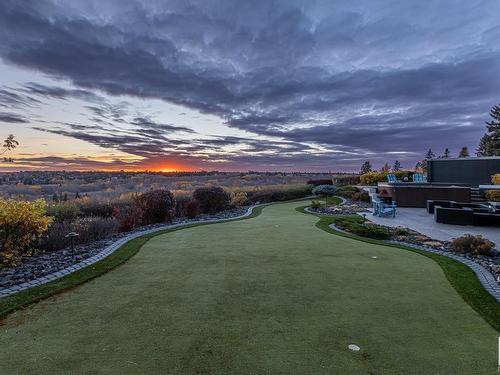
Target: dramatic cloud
12,118
319,83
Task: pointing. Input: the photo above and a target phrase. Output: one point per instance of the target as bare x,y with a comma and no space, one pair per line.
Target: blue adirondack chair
419,178
391,178
376,206
387,210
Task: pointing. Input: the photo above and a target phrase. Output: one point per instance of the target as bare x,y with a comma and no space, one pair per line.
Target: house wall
471,171
416,195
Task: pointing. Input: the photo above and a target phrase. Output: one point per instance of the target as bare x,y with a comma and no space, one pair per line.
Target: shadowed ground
269,295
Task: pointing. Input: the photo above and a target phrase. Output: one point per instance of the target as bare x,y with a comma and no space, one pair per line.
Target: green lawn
269,295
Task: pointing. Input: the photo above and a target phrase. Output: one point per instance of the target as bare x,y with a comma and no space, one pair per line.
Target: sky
237,85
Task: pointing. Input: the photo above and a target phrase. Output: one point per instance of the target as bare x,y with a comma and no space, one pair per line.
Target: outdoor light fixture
71,236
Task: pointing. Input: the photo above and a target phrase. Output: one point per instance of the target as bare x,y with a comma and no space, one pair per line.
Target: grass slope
125,252
461,277
269,295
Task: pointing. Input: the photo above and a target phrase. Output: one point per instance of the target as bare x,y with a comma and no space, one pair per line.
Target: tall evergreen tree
428,156
490,142
464,152
446,153
366,167
397,166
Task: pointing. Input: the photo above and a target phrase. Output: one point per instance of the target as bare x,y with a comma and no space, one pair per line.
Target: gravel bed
347,207
43,264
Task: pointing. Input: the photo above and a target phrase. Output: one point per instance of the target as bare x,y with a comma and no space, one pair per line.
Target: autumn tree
21,222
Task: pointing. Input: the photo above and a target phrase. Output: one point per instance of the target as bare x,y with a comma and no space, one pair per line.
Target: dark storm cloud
150,125
59,92
9,98
355,78
12,118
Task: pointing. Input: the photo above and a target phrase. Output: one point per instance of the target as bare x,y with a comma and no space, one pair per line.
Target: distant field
105,185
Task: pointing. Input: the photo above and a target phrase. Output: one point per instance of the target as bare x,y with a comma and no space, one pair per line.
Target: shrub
192,209
125,218
372,178
63,211
266,196
324,190
469,244
239,199
400,231
155,206
360,227
362,196
97,207
347,188
494,195
212,200
180,207
21,222
353,193
346,180
89,229
495,179
319,182
315,205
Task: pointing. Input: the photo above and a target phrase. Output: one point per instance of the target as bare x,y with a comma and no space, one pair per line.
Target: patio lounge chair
387,210
419,178
391,178
383,209
376,203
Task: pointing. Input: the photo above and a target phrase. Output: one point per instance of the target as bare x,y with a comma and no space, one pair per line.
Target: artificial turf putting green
268,295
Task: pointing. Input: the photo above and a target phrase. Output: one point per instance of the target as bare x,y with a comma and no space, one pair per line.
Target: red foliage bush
212,200
125,219
192,209
155,206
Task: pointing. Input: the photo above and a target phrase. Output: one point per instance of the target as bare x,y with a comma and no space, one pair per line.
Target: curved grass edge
35,294
460,276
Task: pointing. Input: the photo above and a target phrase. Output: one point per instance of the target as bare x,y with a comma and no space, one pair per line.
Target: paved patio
418,219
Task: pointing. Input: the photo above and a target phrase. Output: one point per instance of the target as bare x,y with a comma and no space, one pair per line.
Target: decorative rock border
485,277
4,292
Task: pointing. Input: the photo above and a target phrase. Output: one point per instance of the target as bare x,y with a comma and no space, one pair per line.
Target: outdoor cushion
464,204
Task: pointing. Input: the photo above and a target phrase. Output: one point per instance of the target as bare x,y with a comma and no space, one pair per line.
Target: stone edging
485,277
4,292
